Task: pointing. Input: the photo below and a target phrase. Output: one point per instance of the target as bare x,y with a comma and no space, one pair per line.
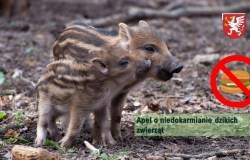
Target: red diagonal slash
221,66
235,80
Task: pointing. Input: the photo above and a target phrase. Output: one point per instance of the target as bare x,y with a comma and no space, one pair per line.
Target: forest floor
26,48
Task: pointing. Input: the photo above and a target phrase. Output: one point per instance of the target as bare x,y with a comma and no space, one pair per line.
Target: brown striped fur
76,40
77,88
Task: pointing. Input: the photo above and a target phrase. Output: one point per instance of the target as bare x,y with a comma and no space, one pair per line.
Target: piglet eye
150,48
123,63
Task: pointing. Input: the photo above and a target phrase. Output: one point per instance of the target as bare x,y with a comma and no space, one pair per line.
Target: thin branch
206,155
5,120
135,13
28,81
128,122
174,4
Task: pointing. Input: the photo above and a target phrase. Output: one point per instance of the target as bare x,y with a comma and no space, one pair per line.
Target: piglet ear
100,64
143,23
125,36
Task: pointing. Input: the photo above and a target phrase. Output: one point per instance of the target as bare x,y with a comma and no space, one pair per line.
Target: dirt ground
26,48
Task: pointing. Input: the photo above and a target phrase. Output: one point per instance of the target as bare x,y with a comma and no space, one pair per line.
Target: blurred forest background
193,33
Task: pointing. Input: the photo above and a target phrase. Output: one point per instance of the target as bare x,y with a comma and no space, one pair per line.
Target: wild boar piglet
78,88
141,40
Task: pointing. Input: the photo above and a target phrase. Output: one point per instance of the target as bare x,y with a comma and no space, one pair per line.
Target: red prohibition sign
221,66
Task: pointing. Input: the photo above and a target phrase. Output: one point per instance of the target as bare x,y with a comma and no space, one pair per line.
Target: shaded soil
26,47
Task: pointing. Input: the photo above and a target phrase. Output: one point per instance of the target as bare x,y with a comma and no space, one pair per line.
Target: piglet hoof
96,135
109,141
64,142
56,138
112,142
39,142
40,136
116,132
96,140
118,138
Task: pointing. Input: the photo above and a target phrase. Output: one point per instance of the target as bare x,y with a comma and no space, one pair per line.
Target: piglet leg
101,117
116,114
96,133
44,114
77,118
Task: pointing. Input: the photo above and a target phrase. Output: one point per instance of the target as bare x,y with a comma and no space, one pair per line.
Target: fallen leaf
206,59
17,73
212,158
188,98
177,79
22,140
30,63
209,49
2,78
71,150
8,155
143,110
154,106
11,133
52,144
155,158
7,56
40,37
2,115
168,102
3,101
195,74
185,21
136,103
28,50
